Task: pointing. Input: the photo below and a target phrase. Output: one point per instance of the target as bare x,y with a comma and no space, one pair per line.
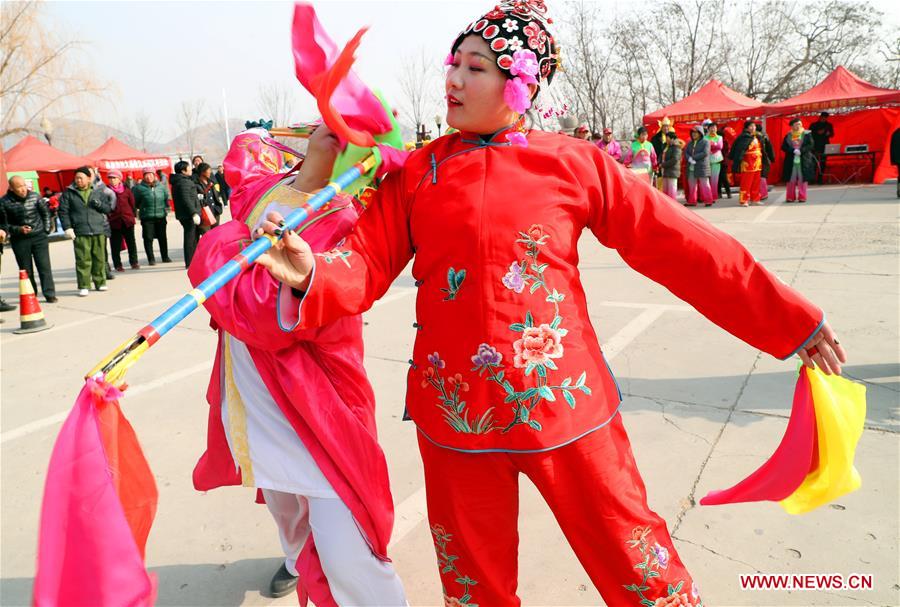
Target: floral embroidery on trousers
447,563
655,558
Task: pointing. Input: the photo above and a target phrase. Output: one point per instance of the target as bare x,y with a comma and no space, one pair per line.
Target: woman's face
474,86
114,181
713,129
642,136
797,126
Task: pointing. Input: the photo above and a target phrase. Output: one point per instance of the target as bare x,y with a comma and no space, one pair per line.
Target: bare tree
620,67
417,85
276,103
588,68
887,74
39,71
790,46
189,116
144,129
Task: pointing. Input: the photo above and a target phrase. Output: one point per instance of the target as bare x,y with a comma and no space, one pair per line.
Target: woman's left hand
824,351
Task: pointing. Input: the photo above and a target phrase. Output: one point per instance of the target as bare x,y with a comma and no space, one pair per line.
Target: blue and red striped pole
192,300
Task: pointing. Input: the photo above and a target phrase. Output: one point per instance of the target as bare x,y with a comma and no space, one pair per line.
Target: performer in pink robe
292,413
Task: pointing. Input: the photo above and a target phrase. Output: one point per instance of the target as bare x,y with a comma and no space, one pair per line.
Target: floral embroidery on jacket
540,343
447,563
454,282
655,558
534,352
449,402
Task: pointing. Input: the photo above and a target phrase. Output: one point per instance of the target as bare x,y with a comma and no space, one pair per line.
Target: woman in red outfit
507,376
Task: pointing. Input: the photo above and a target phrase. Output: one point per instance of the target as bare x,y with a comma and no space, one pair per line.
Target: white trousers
355,576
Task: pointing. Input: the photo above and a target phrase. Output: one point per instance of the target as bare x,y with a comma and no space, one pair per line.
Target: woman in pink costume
292,413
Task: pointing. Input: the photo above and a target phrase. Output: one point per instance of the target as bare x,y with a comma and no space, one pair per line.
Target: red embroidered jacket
506,357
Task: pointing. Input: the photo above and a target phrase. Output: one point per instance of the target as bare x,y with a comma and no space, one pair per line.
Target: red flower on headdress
537,37
528,8
496,13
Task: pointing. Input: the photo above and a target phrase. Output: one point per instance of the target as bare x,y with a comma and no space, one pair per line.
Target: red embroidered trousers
595,492
750,181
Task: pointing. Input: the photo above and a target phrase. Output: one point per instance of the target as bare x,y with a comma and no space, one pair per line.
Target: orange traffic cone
31,317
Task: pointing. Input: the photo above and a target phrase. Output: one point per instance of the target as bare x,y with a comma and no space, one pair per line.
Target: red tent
115,155
55,168
713,100
866,114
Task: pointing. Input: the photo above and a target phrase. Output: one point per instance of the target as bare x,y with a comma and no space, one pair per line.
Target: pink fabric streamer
314,54
87,553
780,476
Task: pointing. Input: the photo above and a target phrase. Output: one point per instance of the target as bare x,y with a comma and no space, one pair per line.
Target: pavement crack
657,400
871,383
850,273
691,501
724,556
668,420
852,598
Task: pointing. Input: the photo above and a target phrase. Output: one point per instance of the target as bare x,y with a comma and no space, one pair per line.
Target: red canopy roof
32,154
114,154
841,88
713,100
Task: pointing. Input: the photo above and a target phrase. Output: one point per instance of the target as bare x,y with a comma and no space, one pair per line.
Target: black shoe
52,299
152,262
283,583
166,260
6,307
110,276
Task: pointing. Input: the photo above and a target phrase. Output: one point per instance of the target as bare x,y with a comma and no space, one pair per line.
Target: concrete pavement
702,410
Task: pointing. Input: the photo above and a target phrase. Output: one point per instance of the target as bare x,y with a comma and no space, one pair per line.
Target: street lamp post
421,133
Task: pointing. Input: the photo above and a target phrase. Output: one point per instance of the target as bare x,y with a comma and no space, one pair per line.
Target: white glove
796,152
196,219
692,161
70,234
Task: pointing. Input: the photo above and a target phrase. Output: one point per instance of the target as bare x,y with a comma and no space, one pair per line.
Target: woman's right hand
290,260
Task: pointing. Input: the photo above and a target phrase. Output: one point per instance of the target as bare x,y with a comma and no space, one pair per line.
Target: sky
156,54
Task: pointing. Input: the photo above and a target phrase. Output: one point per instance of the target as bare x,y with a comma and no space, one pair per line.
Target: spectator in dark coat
724,183
28,224
210,197
224,188
186,195
895,156
82,210
4,231
799,166
670,164
121,223
767,159
822,132
152,200
698,169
